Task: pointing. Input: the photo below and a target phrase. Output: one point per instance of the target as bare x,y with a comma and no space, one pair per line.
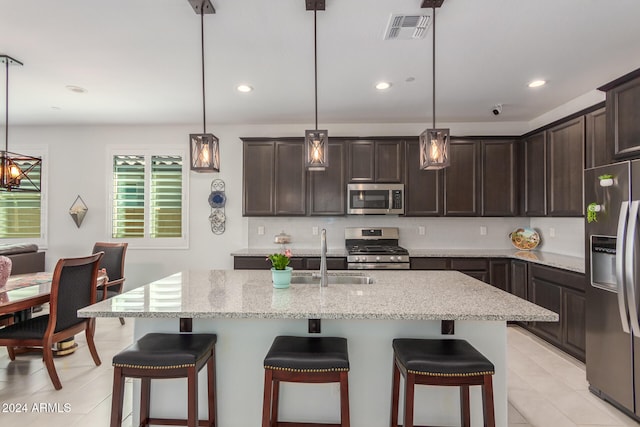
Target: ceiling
139,60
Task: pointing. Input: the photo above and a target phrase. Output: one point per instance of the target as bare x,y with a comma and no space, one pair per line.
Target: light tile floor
546,387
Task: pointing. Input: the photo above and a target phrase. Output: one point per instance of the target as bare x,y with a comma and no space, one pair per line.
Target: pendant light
204,147
316,142
434,142
15,168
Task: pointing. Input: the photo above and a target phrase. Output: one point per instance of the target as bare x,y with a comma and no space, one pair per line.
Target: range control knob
399,258
392,258
377,258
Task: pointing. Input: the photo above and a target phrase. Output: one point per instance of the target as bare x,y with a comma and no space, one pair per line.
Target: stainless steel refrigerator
612,195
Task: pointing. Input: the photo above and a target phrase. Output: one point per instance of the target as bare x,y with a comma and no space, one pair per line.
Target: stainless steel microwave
363,199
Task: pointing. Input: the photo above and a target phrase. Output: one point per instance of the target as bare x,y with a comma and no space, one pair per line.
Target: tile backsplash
559,235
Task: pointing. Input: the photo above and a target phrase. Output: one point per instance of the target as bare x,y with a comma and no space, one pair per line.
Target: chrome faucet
324,281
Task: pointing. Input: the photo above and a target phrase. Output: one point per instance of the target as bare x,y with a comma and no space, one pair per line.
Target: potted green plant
280,270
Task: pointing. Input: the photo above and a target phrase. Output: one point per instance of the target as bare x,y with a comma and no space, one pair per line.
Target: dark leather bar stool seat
305,360
157,356
440,362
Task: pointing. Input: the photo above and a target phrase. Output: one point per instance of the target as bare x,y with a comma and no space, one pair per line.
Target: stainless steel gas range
375,248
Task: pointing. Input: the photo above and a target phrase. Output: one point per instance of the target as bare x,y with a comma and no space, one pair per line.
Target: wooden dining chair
113,263
73,287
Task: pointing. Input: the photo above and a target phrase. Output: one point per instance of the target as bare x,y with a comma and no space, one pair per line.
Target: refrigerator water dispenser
603,263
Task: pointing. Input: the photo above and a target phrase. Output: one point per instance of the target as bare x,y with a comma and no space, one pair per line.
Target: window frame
41,241
147,242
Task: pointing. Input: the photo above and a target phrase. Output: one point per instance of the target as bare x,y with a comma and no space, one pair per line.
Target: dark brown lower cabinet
477,268
332,263
519,278
429,263
500,273
563,292
548,295
574,308
297,263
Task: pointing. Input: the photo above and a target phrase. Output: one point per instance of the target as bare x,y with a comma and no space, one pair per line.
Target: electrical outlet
483,230
421,230
552,232
314,231
260,230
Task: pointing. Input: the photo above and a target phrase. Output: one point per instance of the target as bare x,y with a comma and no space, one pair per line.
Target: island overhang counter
246,313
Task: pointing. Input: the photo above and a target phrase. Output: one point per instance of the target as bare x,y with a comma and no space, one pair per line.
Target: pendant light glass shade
434,149
205,152
18,172
316,151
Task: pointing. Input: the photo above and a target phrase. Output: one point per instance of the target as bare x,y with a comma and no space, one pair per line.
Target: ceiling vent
407,27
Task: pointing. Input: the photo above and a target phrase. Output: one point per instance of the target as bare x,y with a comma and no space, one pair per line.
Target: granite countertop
249,294
550,259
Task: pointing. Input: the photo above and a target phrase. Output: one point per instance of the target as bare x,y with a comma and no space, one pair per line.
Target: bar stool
440,362
305,360
157,356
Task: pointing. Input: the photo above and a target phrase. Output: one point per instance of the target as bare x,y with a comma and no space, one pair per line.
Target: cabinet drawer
251,263
466,264
561,277
262,263
425,263
332,263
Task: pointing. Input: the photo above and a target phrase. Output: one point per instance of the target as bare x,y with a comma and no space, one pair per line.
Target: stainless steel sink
333,279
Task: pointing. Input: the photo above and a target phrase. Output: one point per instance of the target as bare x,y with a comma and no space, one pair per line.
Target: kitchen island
247,313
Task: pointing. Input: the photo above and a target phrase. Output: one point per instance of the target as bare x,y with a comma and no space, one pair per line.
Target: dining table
22,292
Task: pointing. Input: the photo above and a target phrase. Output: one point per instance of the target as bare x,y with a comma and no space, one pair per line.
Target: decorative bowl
525,238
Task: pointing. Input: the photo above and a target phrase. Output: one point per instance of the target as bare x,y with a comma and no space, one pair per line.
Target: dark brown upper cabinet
461,179
274,178
327,189
423,188
258,169
389,159
623,115
535,175
361,161
499,181
290,175
596,148
565,160
376,160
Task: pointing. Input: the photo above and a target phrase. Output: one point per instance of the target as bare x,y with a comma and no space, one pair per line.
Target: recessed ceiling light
76,89
244,88
383,85
537,83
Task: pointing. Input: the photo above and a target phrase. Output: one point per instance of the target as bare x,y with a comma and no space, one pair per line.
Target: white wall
77,166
